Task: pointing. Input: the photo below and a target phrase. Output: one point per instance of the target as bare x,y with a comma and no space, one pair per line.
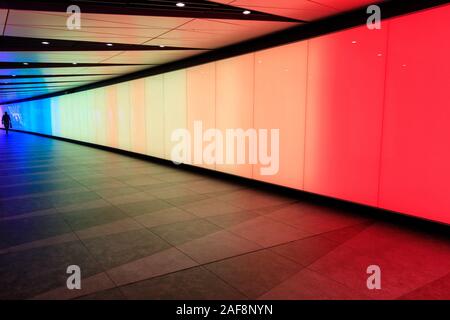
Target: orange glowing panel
415,171
201,106
154,111
174,107
137,110
234,104
346,73
280,105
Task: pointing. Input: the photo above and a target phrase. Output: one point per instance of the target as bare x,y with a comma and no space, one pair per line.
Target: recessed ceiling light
45,42
246,12
25,63
109,44
74,63
161,46
180,4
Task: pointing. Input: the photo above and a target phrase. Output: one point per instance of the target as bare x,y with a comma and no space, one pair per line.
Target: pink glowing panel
154,111
112,128
415,171
234,104
137,110
123,106
344,113
174,107
201,106
280,97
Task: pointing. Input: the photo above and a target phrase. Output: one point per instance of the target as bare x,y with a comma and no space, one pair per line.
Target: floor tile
255,273
89,285
88,218
209,207
117,249
157,264
267,232
306,251
164,216
193,284
309,285
181,232
137,208
217,246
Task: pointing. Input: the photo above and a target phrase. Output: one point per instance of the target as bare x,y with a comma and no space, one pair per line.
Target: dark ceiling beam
9,88
8,43
42,65
164,8
33,76
19,84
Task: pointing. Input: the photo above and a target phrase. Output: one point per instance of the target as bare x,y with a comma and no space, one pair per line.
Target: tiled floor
140,230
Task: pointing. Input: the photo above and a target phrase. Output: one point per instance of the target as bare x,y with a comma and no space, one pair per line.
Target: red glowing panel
280,105
415,170
344,114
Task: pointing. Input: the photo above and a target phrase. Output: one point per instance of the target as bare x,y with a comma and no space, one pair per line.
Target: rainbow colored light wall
364,115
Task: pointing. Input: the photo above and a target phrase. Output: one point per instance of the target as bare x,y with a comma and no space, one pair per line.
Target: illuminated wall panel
174,106
280,105
415,171
89,126
113,117
234,102
137,114
55,116
154,111
344,114
124,123
201,104
100,116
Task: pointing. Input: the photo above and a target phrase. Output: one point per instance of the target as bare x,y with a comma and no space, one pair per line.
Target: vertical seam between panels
164,114
305,114
383,106
215,109
253,109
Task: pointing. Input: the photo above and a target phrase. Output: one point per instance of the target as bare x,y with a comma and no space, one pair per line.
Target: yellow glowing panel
138,132
154,111
123,105
113,117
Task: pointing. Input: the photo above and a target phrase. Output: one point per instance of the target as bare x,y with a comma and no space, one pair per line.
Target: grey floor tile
116,249
196,283
255,273
181,232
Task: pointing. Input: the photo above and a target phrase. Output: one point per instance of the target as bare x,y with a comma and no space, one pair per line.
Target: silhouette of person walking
6,121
